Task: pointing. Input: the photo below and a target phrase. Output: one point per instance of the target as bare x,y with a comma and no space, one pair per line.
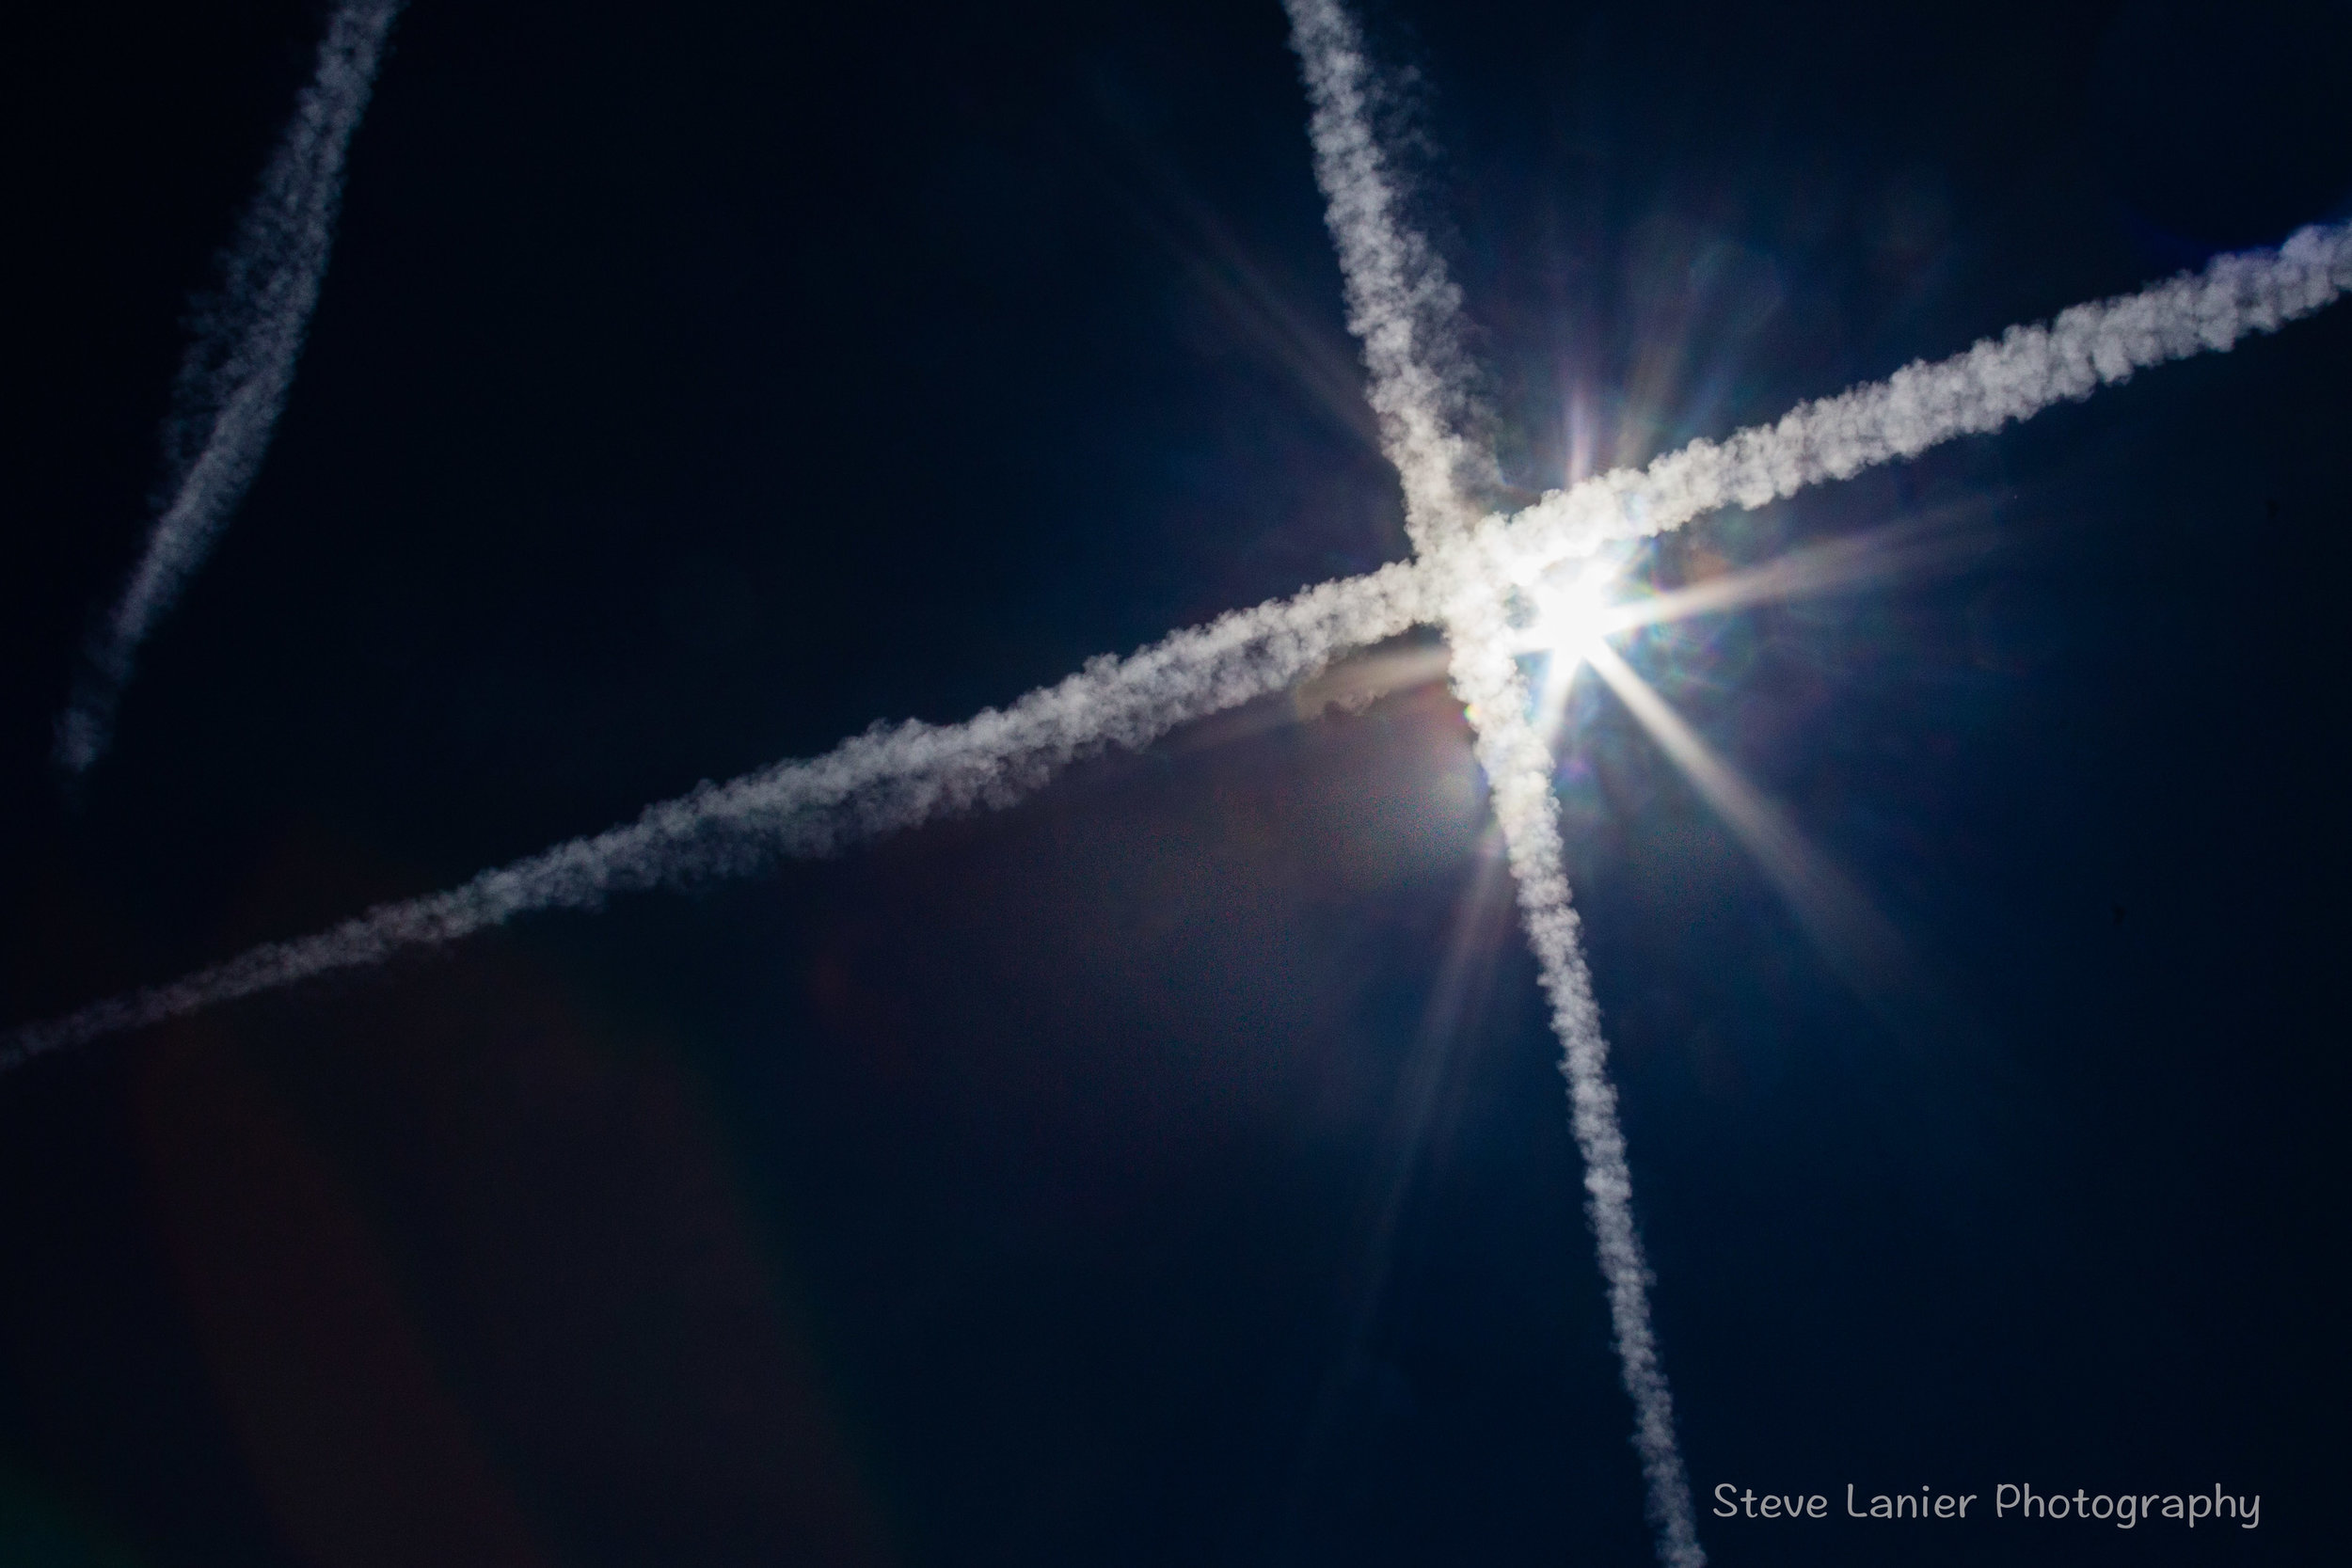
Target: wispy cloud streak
1402,307
816,806
889,778
1518,768
899,777
2014,376
239,365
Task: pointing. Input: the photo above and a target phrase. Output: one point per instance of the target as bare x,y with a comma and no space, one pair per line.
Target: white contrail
2014,376
889,778
893,778
1518,768
235,377
1402,306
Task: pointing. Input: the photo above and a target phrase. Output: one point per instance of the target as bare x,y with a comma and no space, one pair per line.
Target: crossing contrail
1402,306
234,375
892,778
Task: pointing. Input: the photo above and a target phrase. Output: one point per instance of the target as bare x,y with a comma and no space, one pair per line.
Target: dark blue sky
1171,1169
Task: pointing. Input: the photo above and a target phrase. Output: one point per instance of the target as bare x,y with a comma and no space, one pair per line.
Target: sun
1561,620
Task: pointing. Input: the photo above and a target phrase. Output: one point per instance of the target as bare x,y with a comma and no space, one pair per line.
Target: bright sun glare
1566,616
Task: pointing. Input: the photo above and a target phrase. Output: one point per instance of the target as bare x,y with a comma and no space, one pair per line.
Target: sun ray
1949,539
1860,945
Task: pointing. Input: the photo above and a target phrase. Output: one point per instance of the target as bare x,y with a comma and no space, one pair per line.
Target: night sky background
1171,1169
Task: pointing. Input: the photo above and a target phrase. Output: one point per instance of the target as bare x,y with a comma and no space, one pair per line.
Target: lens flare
1559,621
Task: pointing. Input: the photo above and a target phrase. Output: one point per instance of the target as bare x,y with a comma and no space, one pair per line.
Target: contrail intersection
1468,570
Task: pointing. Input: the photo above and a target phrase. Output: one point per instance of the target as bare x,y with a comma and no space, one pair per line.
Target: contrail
889,778
1403,307
2014,376
235,377
897,777
1911,548
1518,768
